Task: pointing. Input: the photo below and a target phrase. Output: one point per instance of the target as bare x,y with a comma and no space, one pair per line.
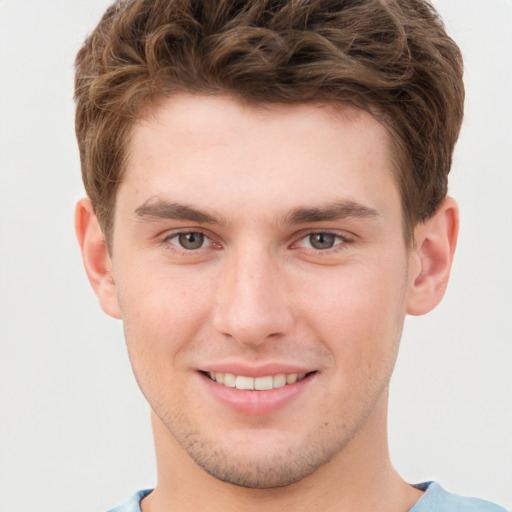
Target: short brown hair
392,58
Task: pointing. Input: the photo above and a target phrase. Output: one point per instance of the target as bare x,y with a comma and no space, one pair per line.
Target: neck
357,479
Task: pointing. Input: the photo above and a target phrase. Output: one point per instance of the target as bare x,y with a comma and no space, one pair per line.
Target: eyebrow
162,209
331,212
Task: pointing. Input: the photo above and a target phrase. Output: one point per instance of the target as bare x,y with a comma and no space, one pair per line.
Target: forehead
210,118
216,151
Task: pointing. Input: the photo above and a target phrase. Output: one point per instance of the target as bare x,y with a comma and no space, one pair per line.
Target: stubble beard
283,467
284,464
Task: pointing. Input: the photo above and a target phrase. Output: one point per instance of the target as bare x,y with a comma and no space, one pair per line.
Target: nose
252,304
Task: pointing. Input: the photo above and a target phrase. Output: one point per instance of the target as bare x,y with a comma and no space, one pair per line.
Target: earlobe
431,259
96,258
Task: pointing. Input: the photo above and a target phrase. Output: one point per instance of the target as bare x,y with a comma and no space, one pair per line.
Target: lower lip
256,402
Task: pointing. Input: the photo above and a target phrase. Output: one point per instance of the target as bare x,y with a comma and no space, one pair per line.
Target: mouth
264,383
267,391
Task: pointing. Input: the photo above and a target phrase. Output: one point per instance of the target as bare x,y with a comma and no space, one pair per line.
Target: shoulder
133,504
436,499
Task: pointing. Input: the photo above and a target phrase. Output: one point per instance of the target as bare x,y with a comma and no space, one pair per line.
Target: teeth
279,380
290,379
263,383
256,383
242,382
229,380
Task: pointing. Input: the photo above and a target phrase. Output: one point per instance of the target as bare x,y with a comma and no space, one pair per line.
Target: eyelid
344,240
167,236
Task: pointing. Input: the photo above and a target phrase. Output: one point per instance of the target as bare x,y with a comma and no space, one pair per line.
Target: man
267,200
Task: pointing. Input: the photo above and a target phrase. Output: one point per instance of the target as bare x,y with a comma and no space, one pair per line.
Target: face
261,248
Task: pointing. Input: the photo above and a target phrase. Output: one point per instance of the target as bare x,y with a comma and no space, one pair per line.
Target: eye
190,241
322,241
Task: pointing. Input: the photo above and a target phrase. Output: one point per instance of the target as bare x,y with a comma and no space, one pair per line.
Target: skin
256,295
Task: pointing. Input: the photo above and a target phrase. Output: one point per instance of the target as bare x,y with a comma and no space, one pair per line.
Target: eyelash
341,242
175,247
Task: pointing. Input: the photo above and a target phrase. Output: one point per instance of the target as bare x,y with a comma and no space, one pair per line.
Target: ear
431,259
96,258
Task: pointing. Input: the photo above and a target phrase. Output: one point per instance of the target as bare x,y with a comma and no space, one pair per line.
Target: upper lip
256,371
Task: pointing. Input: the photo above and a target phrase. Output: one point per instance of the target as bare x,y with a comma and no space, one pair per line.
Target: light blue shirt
435,499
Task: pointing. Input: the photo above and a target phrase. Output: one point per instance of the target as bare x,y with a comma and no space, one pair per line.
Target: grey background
74,429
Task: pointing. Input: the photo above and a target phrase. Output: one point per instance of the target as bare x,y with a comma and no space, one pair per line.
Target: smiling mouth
256,383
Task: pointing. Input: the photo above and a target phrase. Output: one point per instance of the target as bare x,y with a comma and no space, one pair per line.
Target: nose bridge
251,303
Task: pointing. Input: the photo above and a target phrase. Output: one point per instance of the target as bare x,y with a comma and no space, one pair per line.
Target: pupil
322,240
191,240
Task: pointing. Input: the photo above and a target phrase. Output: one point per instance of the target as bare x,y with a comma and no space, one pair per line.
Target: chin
276,461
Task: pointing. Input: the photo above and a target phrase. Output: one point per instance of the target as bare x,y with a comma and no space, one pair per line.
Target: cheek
358,313
161,313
